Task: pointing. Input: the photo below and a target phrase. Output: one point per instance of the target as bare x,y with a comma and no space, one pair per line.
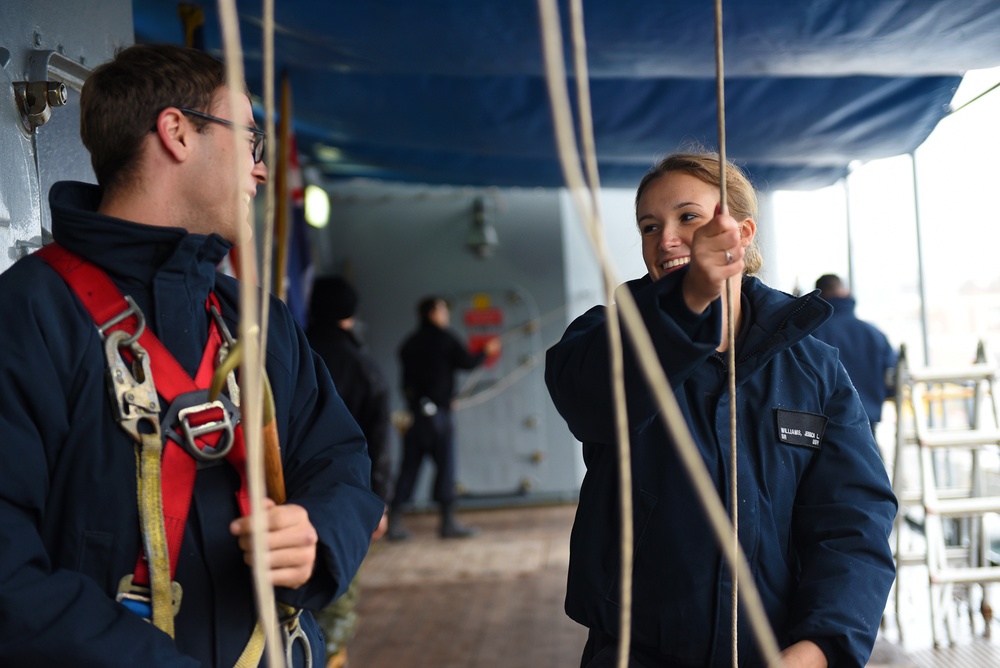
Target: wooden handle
274,474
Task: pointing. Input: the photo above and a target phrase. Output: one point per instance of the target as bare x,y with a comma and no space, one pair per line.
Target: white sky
958,172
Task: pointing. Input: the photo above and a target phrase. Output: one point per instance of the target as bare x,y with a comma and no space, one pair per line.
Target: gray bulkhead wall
60,41
400,243
583,280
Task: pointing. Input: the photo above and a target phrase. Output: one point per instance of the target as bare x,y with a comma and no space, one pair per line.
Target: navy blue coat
69,527
864,351
815,510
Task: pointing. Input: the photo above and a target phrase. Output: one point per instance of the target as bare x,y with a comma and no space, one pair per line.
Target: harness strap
105,303
165,475
250,657
154,536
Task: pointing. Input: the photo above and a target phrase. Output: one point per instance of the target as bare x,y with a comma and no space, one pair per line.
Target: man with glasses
111,552
256,136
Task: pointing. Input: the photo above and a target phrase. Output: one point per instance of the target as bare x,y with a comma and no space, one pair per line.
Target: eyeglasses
258,135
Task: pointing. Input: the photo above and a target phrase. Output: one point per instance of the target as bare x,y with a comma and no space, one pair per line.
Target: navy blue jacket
69,527
864,351
815,510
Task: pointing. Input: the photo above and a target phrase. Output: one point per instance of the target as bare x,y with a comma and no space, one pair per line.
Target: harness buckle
192,416
132,391
138,598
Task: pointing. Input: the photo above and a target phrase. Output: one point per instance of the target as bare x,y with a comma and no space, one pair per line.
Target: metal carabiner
291,632
228,343
132,391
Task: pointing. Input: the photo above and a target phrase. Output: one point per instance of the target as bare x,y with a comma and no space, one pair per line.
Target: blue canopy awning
452,91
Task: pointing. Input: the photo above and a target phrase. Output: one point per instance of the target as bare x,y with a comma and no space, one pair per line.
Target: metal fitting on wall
35,100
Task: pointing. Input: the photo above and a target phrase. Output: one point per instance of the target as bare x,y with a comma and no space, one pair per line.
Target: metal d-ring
133,309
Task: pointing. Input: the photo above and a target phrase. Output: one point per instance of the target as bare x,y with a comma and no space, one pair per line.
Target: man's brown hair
123,97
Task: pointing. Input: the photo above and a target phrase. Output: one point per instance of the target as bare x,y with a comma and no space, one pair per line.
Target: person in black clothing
356,375
430,356
864,350
362,386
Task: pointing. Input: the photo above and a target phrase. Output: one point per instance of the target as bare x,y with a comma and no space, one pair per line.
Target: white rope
481,396
672,417
555,71
720,91
252,390
588,147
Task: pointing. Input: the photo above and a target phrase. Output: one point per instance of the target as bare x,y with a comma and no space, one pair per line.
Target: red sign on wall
476,343
483,317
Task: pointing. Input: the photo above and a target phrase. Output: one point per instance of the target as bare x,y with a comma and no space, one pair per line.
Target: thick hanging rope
587,202
614,329
720,93
251,370
649,364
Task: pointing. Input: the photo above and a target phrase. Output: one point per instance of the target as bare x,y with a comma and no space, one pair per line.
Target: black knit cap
333,298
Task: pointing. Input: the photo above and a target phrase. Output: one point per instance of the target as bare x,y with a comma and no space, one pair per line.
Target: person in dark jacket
173,191
356,375
360,383
430,357
864,350
815,505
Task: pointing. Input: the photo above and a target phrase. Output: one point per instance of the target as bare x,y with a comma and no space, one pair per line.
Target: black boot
396,531
451,527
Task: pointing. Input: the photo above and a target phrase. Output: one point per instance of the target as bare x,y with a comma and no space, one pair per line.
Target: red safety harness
199,425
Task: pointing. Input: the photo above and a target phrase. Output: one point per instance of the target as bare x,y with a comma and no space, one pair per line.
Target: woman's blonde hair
740,193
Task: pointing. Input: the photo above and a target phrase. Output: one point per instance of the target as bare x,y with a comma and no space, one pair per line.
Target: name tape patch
800,428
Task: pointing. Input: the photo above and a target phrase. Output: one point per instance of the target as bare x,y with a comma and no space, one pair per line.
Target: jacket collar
780,320
332,332
131,252
842,305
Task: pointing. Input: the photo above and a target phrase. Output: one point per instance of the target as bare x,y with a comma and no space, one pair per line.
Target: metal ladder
950,500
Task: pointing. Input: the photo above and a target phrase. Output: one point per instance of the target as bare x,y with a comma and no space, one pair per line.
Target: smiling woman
803,430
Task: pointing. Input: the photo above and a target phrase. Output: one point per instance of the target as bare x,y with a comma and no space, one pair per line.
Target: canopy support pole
920,260
850,239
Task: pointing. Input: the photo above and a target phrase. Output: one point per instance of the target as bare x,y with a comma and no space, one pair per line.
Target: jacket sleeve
51,614
842,518
326,465
375,422
577,368
459,355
